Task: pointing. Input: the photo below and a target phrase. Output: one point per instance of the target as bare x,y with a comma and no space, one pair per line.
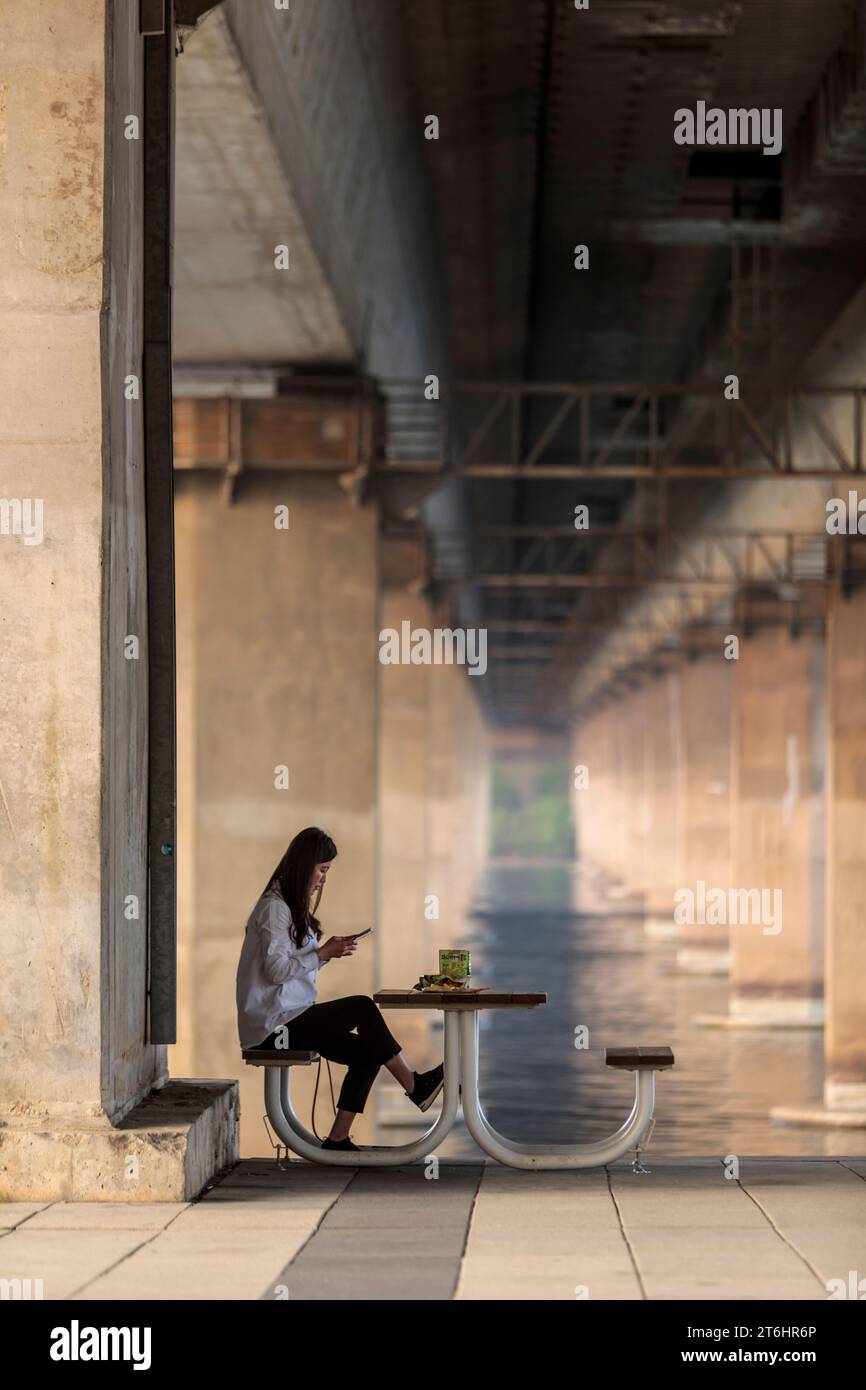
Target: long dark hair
293,873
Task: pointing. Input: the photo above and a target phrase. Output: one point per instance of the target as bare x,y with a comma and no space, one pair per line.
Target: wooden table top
438,999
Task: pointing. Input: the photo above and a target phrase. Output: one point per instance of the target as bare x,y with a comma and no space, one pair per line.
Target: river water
601,974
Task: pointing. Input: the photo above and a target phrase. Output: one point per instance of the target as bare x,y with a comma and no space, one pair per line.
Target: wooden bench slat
277,1057
639,1058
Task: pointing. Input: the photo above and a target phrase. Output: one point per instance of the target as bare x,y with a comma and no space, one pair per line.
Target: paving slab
820,1210
12,1214
244,1214
380,1279
107,1216
696,1234
414,1253
552,1278
223,1264
681,1197
544,1236
234,1241
709,1262
64,1260
284,1194
399,1243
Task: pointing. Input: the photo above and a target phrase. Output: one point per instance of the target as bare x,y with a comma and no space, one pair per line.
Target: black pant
327,1029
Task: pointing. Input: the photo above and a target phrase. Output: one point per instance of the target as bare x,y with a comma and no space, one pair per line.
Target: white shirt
276,979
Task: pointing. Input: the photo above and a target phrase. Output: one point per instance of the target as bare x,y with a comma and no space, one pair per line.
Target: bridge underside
415,317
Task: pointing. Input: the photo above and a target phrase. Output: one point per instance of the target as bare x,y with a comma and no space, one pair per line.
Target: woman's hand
337,946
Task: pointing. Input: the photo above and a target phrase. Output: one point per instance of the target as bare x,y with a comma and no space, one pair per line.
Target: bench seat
277,1057
639,1058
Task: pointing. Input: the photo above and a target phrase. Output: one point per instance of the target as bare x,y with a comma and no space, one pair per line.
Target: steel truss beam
559,430
609,557
532,430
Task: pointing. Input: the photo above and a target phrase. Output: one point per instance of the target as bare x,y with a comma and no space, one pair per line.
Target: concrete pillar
405,931
625,828
433,798
590,779
75,1060
591,805
660,710
704,848
844,1100
845,956
777,736
457,778
277,668
636,823
610,814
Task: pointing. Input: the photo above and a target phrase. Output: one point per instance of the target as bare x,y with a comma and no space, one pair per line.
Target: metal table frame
461,1085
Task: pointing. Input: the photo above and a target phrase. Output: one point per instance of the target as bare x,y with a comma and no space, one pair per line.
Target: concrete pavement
781,1229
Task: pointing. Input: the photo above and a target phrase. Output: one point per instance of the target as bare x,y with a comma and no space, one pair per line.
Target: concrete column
457,768
74,1059
636,805
432,827
704,849
844,1100
596,809
611,814
405,932
591,810
845,957
624,847
625,829
278,668
777,737
660,708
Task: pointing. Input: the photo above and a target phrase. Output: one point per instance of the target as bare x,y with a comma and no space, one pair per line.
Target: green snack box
457,965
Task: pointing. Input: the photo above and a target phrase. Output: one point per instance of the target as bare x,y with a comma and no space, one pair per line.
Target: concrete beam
233,207
332,80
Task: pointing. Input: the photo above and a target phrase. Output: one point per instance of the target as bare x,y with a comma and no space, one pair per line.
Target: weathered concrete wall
277,665
72,708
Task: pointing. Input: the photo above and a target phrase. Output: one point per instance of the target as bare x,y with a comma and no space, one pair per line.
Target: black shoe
428,1084
345,1145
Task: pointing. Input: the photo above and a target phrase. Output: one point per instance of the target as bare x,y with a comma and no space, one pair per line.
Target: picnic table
461,1012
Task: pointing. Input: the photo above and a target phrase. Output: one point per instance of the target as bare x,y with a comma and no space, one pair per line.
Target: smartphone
355,936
